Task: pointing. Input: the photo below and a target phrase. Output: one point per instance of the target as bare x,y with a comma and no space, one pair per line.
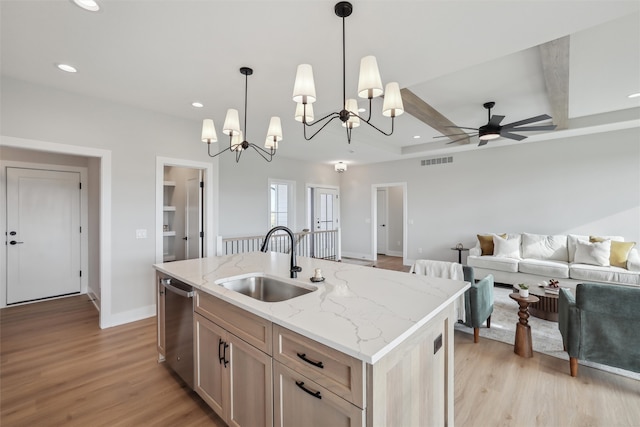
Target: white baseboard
130,316
356,255
95,299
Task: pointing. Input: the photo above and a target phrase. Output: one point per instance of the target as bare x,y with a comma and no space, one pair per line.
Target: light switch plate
141,233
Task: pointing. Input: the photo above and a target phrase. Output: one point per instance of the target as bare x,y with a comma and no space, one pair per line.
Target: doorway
389,220
44,223
323,214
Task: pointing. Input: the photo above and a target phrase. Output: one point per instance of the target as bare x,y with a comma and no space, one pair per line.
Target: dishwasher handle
167,284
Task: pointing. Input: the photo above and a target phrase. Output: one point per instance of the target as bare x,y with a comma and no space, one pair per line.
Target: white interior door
43,234
193,219
382,201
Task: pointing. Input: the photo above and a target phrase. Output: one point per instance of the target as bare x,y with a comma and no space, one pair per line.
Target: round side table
523,344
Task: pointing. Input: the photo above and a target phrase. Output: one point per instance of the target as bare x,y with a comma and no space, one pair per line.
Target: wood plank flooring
58,368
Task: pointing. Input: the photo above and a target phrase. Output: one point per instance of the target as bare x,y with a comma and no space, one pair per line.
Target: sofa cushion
596,253
545,247
619,251
550,269
603,274
573,238
507,248
493,263
486,243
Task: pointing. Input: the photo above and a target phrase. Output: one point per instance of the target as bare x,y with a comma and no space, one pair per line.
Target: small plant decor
524,290
523,286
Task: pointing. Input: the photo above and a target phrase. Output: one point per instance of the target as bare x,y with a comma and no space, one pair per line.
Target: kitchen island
374,345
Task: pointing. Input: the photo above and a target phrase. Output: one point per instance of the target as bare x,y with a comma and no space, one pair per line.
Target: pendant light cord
344,66
246,89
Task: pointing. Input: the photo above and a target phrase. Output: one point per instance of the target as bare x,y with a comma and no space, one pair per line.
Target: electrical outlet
141,233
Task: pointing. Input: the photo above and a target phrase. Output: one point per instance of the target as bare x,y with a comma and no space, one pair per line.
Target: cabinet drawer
301,402
251,328
332,369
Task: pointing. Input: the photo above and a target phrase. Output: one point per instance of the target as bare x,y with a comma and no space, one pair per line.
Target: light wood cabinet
160,320
299,401
234,377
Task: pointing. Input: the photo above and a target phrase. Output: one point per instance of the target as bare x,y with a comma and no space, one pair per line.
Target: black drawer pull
312,393
303,356
220,350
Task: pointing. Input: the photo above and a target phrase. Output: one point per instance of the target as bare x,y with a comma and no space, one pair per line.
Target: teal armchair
601,324
478,301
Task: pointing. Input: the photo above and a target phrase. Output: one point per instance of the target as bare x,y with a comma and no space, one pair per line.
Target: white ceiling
455,55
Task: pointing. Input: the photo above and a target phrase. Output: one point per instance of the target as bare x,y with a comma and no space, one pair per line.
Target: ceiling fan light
275,129
231,123
489,136
304,88
352,107
392,106
209,131
300,111
369,82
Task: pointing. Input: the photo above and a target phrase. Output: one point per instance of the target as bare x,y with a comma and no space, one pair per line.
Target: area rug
544,334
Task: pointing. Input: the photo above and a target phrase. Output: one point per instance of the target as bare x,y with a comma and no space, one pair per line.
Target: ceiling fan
493,130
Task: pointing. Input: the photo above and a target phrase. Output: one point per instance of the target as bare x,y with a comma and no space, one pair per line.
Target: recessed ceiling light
416,136
634,95
197,104
89,5
361,110
67,68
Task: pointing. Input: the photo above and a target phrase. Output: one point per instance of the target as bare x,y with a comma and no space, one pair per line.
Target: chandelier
369,86
231,127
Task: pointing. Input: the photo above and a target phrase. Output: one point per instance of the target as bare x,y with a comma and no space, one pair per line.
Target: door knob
13,242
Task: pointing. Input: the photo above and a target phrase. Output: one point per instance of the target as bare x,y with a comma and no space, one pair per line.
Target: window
281,203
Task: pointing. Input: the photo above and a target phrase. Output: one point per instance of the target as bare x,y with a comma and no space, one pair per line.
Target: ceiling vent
436,161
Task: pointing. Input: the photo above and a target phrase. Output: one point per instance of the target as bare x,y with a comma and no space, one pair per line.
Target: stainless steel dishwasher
178,329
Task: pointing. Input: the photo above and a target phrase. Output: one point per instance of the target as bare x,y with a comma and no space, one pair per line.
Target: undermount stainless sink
264,288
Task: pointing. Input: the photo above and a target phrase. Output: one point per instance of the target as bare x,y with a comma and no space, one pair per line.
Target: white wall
135,137
395,221
586,185
244,189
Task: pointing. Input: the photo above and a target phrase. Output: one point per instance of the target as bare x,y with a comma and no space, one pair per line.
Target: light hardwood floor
58,368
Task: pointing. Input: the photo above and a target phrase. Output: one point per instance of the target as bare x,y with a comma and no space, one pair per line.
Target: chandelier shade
231,127
369,87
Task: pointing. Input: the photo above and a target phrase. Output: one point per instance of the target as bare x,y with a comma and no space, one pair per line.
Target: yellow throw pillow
486,243
619,251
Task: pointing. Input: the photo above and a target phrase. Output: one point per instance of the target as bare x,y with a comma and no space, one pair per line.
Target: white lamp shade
231,123
352,106
392,106
369,83
209,131
275,129
340,167
236,142
270,143
300,111
304,89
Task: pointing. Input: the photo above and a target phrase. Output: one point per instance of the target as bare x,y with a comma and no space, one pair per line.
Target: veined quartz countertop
362,311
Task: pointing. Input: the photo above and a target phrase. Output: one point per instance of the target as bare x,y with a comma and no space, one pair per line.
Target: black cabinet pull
224,355
220,355
303,356
306,390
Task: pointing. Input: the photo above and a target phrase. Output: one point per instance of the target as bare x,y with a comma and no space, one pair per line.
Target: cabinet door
251,387
211,381
160,319
301,402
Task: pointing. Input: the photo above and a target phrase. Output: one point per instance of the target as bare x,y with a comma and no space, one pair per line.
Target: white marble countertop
362,311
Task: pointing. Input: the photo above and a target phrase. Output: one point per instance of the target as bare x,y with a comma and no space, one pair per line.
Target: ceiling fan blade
512,136
461,139
453,134
534,128
483,142
495,120
527,121
461,127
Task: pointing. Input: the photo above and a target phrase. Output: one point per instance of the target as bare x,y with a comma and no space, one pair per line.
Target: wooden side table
523,345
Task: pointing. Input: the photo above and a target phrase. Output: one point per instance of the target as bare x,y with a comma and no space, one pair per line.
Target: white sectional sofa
571,259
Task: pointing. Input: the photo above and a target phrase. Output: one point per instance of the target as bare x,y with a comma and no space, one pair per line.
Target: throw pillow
619,251
594,253
506,248
486,243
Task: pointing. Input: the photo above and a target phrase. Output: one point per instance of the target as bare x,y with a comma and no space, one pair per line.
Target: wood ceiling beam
427,114
555,66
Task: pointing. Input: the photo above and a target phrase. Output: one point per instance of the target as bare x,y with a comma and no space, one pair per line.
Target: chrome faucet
294,268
